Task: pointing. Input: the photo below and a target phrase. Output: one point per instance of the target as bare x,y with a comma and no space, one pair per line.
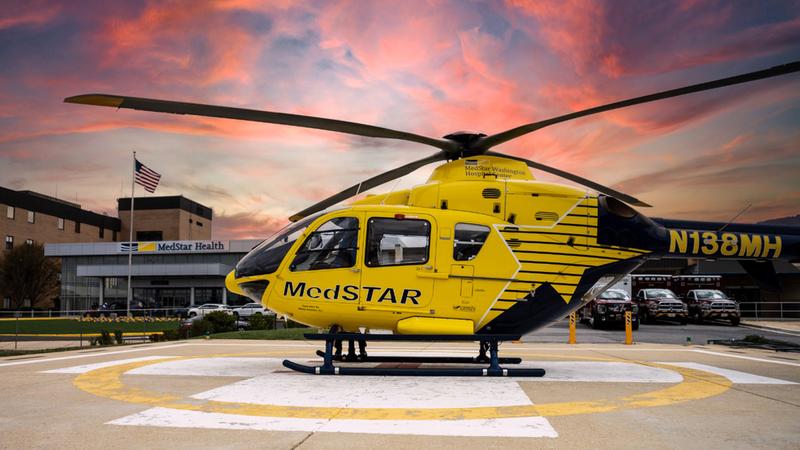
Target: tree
26,274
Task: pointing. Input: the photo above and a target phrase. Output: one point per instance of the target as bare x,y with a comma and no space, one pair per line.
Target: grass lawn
72,326
286,333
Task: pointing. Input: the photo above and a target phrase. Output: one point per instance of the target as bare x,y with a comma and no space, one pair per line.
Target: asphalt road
661,333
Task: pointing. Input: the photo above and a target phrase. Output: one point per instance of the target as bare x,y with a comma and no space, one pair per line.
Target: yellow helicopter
481,252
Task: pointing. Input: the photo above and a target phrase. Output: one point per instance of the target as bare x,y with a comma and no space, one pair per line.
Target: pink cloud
429,67
34,14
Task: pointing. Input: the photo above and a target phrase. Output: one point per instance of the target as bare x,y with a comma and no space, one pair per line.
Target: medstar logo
351,292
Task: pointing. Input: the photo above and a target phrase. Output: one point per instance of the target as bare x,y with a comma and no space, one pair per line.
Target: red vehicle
609,308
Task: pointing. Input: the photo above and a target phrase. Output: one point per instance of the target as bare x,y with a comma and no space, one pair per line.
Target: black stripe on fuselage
535,252
550,232
557,263
576,246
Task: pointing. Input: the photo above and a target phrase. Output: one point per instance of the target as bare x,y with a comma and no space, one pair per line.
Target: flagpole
130,239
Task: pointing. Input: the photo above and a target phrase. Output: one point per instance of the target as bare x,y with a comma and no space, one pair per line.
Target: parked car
202,310
609,308
655,304
249,310
709,304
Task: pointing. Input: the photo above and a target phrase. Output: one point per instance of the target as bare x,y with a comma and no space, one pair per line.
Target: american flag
146,177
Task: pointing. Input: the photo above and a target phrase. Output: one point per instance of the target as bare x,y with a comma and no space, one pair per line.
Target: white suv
250,309
202,310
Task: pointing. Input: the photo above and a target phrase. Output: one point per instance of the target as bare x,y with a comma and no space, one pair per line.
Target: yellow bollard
628,328
572,328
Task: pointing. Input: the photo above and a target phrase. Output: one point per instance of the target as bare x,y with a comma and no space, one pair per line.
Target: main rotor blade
490,141
297,120
572,177
366,185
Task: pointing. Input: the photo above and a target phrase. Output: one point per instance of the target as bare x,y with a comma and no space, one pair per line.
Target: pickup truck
609,308
710,304
655,304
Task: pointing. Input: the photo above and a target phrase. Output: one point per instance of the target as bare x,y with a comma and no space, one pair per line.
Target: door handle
434,275
355,269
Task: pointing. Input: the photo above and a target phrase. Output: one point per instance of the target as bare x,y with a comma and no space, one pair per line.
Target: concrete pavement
236,394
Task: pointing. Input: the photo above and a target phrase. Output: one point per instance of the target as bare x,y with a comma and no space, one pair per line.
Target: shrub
220,321
105,338
171,335
201,327
118,336
184,331
292,324
261,322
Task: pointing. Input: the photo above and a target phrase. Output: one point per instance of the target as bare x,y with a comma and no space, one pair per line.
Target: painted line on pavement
530,427
89,367
696,385
64,358
749,358
733,375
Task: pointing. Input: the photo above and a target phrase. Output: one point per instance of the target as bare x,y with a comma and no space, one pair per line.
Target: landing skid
488,343
420,359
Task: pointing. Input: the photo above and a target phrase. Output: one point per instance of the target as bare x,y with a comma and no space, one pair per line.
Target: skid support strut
488,343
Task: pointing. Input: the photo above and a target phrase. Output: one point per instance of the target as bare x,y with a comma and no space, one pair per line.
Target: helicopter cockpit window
267,256
468,240
393,242
333,245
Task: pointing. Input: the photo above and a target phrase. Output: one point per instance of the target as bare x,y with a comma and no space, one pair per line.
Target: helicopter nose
232,284
253,289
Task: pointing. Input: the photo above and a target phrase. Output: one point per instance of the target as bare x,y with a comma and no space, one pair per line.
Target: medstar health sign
173,247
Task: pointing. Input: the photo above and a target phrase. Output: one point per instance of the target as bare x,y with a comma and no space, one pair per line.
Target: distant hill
791,220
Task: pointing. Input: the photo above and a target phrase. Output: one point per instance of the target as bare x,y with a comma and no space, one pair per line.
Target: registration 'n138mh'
712,243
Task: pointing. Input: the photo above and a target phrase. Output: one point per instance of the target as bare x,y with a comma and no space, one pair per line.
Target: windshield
613,294
267,256
660,293
710,294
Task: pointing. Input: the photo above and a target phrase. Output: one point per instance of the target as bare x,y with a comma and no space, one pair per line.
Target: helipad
239,393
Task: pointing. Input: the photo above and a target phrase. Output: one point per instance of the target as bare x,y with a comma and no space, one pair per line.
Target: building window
199,224
9,242
392,242
77,227
149,236
10,212
332,246
102,232
31,217
29,241
60,223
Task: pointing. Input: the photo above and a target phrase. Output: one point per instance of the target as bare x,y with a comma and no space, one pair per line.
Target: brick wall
45,229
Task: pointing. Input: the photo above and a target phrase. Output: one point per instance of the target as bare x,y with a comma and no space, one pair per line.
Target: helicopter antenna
383,202
735,217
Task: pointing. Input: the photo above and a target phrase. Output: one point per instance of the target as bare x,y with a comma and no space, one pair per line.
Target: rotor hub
465,141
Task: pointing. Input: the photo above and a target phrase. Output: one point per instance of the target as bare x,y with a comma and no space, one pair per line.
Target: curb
776,329
75,335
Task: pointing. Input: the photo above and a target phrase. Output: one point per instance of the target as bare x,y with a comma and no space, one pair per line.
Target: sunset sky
429,67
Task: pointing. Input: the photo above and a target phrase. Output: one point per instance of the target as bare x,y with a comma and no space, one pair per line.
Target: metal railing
770,310
174,311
